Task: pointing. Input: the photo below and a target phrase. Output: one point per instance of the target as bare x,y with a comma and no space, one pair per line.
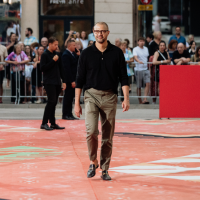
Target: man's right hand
55,58
73,84
141,62
78,110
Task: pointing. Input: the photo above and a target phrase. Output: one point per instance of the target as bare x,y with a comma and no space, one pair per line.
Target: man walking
51,66
100,67
142,73
70,62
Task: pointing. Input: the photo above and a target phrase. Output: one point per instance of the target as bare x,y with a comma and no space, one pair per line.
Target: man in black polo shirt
100,68
181,56
52,69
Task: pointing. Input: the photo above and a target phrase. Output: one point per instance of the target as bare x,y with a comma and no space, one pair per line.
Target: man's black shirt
101,71
52,70
177,55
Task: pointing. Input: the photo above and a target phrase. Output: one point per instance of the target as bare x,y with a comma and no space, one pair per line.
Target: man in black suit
70,61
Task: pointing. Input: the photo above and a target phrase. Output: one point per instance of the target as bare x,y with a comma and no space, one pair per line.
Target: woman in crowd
79,45
161,57
196,55
128,43
84,40
192,48
129,59
153,47
17,59
90,43
28,51
37,74
172,47
22,45
10,48
190,39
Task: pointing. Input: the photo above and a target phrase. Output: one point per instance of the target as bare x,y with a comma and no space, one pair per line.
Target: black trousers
68,100
53,92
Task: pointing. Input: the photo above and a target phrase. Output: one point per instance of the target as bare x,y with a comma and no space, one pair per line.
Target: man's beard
27,35
101,41
178,34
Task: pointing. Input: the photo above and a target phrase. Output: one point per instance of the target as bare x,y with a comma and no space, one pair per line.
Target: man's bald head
44,42
180,48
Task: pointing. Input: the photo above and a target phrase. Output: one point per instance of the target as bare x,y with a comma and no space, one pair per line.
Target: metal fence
27,85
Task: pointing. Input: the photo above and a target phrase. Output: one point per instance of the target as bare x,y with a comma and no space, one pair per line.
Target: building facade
126,18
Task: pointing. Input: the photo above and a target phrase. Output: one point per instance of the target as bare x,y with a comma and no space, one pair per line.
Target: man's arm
62,75
126,102
77,108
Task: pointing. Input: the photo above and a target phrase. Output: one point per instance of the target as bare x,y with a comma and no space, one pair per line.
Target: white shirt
10,30
84,43
142,55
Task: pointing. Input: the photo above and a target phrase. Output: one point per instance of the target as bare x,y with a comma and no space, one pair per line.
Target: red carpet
152,159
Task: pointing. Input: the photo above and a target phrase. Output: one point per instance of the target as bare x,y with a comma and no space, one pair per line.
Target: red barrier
179,91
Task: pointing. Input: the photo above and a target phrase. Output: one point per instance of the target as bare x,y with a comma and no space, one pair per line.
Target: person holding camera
52,69
70,62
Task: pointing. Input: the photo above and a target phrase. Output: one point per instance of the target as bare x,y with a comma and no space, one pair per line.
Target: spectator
34,47
172,47
118,42
157,23
127,46
10,30
142,74
72,36
84,39
192,48
22,45
154,46
78,36
90,43
10,49
78,45
196,55
3,55
44,43
28,71
161,57
29,38
37,74
190,39
181,56
69,61
17,59
28,51
178,36
198,60
129,58
149,39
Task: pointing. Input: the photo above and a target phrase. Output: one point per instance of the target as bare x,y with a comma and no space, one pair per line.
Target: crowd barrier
26,88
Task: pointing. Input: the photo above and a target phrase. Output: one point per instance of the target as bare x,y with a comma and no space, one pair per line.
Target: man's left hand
125,105
64,86
78,53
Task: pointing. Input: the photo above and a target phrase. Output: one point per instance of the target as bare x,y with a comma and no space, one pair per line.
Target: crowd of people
153,49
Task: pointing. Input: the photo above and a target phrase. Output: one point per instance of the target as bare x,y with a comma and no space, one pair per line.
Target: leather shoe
46,127
55,126
74,117
68,117
92,171
105,176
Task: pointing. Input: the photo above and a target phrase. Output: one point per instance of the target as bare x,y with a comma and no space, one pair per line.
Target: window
67,7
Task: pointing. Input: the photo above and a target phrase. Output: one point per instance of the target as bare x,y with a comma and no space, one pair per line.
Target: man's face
178,31
117,43
148,39
180,48
72,46
141,43
101,33
44,42
26,33
53,46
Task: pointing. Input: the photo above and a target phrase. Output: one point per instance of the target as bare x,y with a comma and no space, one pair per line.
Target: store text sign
66,1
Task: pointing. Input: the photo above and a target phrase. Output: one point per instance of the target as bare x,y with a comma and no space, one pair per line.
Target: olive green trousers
103,103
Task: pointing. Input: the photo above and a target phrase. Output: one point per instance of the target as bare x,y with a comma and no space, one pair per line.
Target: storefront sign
145,7
67,1
146,2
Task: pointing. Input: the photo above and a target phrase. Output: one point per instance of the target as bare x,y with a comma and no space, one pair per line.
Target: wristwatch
161,61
